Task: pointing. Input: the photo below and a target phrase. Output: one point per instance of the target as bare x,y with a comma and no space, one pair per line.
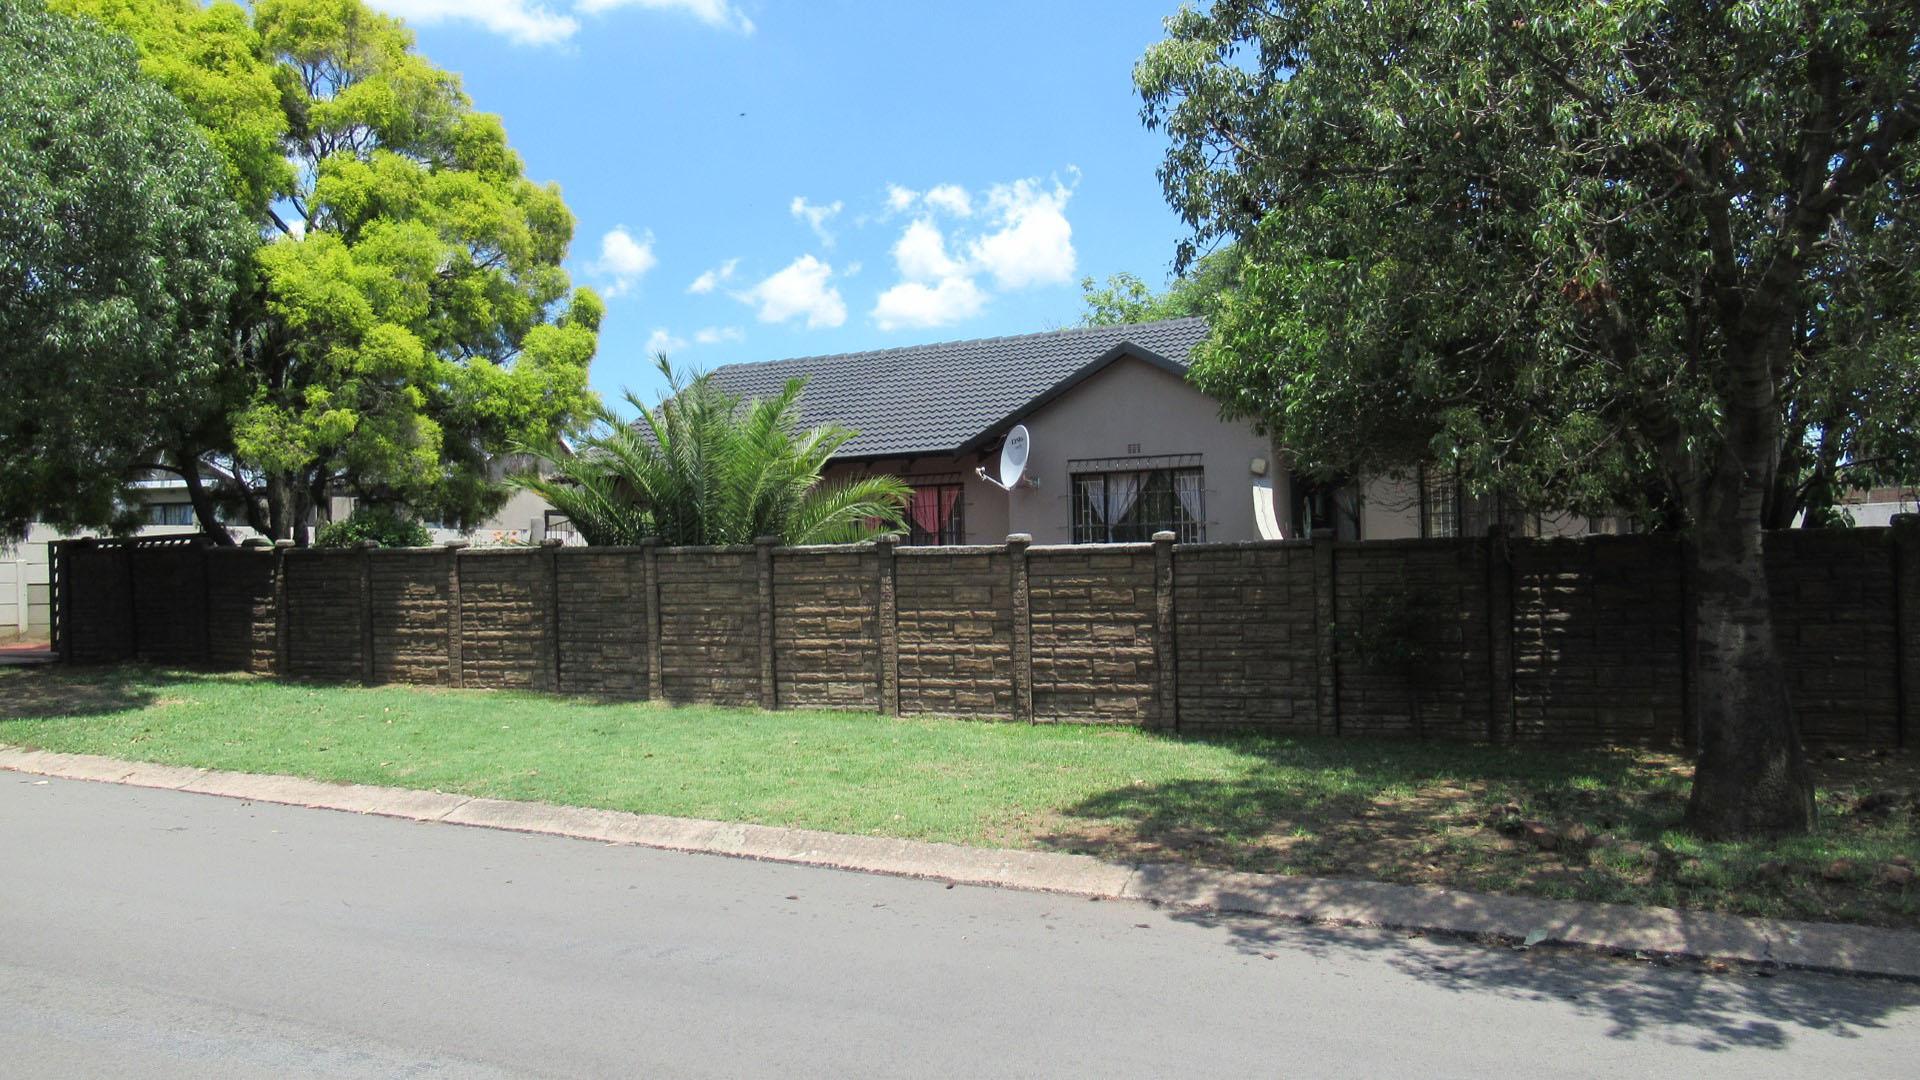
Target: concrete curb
1851,950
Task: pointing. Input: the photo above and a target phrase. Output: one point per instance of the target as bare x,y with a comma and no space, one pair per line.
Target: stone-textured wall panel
411,620
1834,610
710,626
1244,636
603,622
1410,638
825,629
240,610
1597,639
1093,627
504,606
323,615
99,627
169,598
956,632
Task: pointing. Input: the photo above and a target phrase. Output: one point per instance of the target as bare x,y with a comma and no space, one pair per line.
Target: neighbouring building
1121,445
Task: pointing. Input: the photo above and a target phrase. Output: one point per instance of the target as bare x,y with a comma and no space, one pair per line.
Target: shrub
383,525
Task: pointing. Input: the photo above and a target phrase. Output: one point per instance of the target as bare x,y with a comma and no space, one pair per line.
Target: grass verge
1573,824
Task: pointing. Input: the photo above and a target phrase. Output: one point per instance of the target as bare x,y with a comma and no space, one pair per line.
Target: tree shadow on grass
1404,811
48,691
1683,1003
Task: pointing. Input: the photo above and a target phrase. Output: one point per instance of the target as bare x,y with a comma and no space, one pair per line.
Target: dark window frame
950,526
1156,505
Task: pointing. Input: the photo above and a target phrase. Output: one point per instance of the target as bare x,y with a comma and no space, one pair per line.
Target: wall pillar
763,570
1017,545
887,626
366,610
1326,676
550,566
282,622
205,643
1166,675
1906,585
1500,721
650,565
456,664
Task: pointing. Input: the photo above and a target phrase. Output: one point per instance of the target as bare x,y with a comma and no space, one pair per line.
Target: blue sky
756,179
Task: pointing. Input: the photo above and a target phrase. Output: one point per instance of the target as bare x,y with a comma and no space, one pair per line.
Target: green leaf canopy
119,250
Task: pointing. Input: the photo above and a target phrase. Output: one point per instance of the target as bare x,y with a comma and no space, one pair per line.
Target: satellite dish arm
1023,482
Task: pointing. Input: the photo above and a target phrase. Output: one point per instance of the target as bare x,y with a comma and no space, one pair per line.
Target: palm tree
702,467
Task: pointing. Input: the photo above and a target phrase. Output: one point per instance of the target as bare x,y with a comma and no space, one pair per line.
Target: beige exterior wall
1132,403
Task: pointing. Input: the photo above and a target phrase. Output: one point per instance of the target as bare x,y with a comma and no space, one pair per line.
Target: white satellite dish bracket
1013,462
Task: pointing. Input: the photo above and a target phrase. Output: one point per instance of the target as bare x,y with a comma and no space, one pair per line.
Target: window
170,514
1131,505
936,515
1447,510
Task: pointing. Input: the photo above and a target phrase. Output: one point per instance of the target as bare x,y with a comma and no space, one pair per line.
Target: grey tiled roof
927,399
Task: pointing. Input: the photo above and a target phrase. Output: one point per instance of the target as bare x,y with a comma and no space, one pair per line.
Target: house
1120,445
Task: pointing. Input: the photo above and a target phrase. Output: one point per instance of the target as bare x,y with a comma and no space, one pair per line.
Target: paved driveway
150,933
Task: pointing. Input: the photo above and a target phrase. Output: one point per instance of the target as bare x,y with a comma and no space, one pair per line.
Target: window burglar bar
1124,507
937,515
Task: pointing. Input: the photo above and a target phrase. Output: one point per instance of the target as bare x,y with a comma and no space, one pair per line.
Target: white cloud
952,198
900,198
528,22
662,342
716,13
714,335
921,253
804,288
713,278
624,260
1033,244
1028,241
535,22
917,304
816,216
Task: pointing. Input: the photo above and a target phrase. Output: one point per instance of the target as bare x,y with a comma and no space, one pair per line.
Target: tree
408,317
1584,252
118,252
1127,299
703,467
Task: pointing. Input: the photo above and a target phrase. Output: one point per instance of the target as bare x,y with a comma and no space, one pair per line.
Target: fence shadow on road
1684,1003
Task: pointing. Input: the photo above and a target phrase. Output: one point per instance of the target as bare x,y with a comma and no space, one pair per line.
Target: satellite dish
1013,456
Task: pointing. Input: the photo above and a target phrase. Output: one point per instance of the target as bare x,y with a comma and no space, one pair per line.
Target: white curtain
1186,485
1123,490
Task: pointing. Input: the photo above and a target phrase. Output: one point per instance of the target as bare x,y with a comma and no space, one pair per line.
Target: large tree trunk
280,506
203,508
1752,777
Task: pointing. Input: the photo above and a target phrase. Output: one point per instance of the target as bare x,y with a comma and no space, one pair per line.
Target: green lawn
1396,811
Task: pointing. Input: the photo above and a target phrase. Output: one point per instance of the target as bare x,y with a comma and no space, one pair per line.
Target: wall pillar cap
282,545
256,542
1165,536
767,541
1019,539
456,545
1323,533
552,542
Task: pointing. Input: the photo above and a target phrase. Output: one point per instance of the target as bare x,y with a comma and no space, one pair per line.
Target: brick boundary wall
1488,639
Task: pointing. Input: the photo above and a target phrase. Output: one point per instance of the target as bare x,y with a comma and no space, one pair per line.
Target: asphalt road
155,933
